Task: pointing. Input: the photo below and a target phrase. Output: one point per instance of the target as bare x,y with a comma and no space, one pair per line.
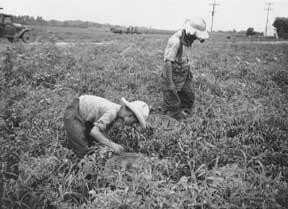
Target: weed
232,152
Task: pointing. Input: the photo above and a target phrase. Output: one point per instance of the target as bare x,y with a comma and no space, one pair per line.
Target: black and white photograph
133,104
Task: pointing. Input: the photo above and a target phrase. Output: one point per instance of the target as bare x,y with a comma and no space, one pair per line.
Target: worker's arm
97,134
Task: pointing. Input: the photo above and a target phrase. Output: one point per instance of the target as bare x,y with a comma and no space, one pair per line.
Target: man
88,116
178,95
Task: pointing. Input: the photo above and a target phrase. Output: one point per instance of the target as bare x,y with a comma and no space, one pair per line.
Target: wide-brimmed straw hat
139,108
197,27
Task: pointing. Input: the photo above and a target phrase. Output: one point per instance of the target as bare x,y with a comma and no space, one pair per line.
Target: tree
281,25
250,32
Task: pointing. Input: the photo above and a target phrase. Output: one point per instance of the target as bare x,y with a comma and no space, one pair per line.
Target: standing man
88,116
178,94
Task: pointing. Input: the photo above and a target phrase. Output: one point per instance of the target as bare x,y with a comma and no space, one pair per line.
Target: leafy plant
231,153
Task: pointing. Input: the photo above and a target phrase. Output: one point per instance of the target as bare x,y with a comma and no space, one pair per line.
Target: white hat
140,109
196,27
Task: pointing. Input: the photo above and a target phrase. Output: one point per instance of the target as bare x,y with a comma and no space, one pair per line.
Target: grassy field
232,153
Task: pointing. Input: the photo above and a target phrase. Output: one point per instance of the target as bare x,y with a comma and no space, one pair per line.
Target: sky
162,14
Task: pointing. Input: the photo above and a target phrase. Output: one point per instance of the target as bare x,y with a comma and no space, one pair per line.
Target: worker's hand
117,148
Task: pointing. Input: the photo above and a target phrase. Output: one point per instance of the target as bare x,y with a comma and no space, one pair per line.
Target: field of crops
232,153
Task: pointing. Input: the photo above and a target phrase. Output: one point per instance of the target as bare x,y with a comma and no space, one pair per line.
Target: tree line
280,23
281,27
30,20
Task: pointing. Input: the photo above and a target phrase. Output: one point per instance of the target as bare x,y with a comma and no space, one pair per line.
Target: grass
231,154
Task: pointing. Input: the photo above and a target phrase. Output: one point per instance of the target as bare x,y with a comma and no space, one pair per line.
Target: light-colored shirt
100,111
175,51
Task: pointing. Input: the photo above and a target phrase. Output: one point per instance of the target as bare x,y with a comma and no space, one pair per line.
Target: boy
88,116
176,77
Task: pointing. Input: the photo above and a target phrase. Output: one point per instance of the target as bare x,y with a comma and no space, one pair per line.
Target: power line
269,8
213,13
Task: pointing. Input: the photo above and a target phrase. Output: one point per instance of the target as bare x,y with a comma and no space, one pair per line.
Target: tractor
13,31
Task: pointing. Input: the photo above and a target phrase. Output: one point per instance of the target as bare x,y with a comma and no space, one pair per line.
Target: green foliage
232,153
250,31
281,25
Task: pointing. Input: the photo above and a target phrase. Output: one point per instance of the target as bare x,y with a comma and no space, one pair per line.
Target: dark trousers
77,130
184,97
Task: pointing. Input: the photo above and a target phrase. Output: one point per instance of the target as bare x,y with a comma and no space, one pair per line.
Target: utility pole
213,13
269,8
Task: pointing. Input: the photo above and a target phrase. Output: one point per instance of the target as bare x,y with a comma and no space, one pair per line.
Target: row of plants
232,153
